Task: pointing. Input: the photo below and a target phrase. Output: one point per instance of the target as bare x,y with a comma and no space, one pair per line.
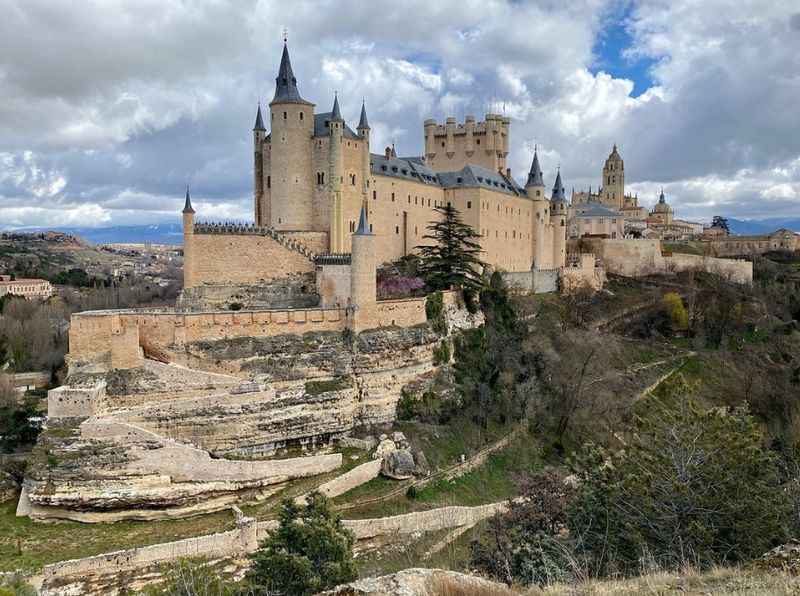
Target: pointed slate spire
661,198
393,153
187,206
363,227
362,122
259,125
558,189
285,83
535,175
336,113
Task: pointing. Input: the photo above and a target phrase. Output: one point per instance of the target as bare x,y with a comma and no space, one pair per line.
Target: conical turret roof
285,83
363,226
336,113
362,122
259,125
535,175
187,206
558,189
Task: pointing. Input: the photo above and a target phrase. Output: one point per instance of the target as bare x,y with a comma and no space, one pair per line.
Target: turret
430,139
558,218
450,132
336,173
363,132
362,270
259,134
188,241
290,178
534,188
469,130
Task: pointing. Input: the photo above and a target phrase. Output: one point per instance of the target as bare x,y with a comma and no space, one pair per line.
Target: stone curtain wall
538,281
75,402
243,259
96,335
635,258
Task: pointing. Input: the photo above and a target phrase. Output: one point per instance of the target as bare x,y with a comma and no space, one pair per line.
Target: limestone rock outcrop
398,465
421,582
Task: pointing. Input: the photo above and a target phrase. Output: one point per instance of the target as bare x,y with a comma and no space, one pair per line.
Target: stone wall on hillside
106,574
636,258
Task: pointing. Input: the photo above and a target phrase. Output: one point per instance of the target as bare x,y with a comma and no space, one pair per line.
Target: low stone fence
78,576
349,480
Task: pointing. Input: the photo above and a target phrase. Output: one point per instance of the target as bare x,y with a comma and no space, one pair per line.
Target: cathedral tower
613,180
290,177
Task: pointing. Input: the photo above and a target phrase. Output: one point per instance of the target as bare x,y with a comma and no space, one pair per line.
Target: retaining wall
244,539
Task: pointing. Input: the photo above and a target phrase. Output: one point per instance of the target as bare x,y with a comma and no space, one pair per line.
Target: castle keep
316,180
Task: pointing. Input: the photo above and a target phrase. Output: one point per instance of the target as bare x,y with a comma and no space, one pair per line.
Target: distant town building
25,288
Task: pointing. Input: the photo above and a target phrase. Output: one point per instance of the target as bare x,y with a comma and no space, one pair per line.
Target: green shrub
318,387
434,310
310,551
406,405
691,486
441,353
235,306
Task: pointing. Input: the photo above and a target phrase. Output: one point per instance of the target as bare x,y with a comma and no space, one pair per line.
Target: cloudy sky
108,109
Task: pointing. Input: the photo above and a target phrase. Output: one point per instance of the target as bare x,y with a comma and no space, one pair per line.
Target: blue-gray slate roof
362,122
594,209
259,125
471,176
322,126
286,84
535,175
558,189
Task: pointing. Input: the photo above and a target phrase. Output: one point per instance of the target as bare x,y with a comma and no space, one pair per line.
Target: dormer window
459,180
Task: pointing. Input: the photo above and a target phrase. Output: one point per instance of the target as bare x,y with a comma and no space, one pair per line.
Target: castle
319,191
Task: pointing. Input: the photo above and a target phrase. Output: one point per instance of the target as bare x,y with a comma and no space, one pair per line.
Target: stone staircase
232,228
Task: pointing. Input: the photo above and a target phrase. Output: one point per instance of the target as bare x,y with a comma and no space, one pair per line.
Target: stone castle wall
636,258
96,335
245,258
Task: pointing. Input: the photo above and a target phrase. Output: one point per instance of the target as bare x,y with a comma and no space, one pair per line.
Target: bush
673,304
191,577
309,552
691,486
441,353
525,544
434,311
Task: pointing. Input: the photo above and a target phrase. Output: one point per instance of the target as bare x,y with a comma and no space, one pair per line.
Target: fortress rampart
111,338
636,258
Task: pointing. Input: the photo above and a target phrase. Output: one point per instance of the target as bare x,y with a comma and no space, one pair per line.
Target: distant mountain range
762,226
168,233
172,233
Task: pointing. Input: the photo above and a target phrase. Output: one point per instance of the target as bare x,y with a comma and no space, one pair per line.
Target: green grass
493,481
318,387
44,543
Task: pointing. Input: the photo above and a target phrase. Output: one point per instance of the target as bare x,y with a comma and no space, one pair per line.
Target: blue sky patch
609,47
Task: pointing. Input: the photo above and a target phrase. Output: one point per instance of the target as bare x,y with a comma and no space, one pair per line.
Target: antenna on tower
285,35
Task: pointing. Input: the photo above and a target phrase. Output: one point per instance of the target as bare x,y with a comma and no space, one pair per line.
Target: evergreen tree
720,222
310,551
453,257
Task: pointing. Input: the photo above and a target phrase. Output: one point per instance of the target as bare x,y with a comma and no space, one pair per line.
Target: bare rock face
398,465
421,466
421,582
384,448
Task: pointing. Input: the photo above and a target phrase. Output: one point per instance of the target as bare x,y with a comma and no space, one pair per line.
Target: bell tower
613,180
